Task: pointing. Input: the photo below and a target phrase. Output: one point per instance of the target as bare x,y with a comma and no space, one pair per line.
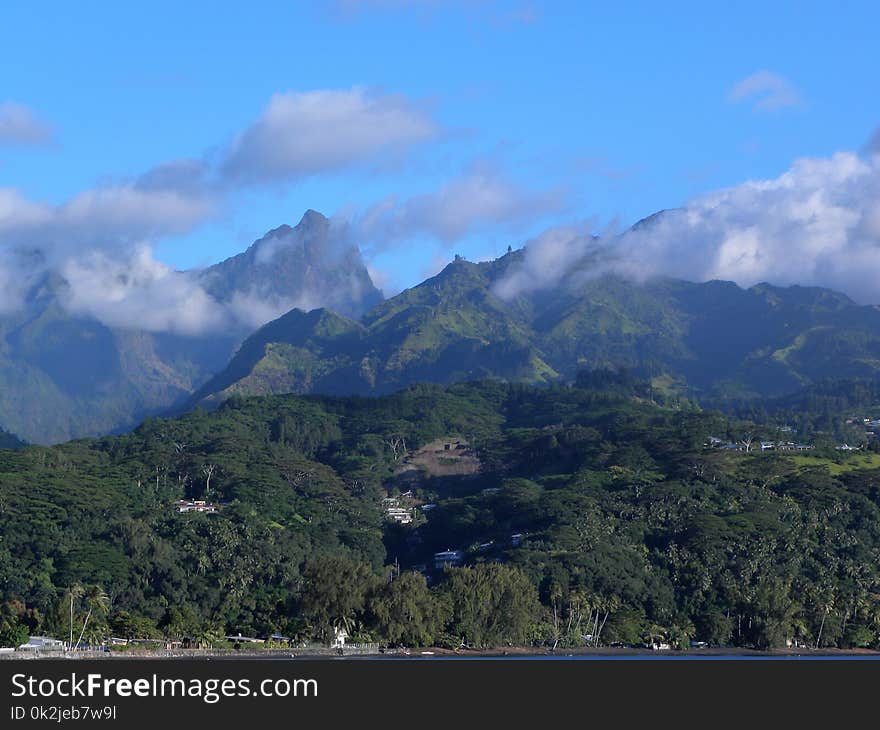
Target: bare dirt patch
445,457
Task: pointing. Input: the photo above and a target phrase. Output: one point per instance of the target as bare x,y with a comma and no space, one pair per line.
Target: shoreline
427,653
611,652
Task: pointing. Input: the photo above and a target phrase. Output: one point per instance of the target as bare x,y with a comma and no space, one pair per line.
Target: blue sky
577,114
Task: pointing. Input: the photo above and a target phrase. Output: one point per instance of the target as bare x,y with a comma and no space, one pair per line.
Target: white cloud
817,224
97,247
19,125
307,133
96,241
549,259
137,292
100,240
481,199
767,91
115,216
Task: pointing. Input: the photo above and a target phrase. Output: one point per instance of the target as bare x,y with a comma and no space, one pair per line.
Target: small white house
42,643
399,514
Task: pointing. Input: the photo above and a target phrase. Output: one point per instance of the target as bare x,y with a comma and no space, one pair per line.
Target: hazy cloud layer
302,134
766,91
477,201
816,224
19,125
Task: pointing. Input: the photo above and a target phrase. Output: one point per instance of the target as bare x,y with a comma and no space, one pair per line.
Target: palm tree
608,604
653,634
681,635
209,634
74,593
98,602
783,615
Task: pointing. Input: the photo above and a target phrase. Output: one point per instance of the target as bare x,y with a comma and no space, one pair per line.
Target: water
669,658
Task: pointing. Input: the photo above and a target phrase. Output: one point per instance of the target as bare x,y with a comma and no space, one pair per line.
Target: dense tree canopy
597,515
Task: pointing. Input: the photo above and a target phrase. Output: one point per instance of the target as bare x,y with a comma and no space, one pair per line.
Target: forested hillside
586,514
712,341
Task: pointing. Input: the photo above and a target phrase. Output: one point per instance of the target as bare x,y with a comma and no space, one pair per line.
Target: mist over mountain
298,312
816,224
708,340
80,357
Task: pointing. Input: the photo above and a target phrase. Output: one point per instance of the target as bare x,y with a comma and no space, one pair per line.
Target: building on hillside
195,505
401,515
448,557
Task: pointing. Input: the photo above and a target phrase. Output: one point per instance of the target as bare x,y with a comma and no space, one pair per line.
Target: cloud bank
120,292
816,224
98,244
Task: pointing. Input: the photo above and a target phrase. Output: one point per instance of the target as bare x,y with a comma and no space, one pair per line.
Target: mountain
309,264
713,340
64,376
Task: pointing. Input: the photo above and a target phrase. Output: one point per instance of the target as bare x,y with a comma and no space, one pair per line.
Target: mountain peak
311,218
307,266
651,220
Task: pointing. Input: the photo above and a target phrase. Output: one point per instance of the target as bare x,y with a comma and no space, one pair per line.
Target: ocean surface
677,658
629,657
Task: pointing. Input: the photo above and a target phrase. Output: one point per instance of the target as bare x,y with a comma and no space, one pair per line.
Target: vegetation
712,341
598,516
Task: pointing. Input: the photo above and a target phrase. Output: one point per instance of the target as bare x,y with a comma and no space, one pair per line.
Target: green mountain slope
63,376
712,340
